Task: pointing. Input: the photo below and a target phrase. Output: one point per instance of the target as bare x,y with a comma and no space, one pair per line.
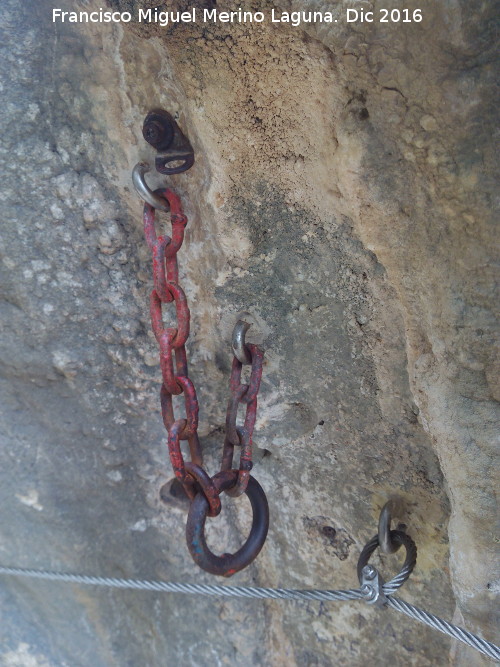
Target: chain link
175,381
242,394
172,339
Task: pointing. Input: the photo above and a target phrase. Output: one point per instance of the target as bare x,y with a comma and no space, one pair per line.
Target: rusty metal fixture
162,132
203,490
247,394
227,564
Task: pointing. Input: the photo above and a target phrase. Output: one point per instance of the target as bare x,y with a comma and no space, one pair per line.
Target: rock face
342,194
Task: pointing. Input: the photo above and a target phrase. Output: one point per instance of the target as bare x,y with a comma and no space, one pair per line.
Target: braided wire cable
196,589
487,648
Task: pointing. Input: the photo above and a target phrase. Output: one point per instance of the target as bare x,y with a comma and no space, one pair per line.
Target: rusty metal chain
242,394
203,490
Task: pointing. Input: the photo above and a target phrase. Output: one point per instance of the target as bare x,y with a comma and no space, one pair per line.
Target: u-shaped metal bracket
175,153
143,189
391,509
238,343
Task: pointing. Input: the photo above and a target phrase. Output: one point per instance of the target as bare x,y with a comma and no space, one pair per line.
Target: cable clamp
372,586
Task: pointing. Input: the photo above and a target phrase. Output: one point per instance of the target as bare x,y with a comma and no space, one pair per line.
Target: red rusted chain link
242,393
171,341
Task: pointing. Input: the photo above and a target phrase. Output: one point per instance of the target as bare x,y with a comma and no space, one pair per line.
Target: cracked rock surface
343,194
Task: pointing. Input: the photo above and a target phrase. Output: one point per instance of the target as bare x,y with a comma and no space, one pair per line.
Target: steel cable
487,648
196,589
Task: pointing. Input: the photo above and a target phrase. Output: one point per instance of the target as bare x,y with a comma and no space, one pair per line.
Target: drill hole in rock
172,493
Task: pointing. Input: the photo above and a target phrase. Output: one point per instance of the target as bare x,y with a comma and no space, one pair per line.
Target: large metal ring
390,509
401,539
227,564
143,190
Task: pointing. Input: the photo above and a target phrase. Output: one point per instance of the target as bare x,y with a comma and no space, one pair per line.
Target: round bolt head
153,132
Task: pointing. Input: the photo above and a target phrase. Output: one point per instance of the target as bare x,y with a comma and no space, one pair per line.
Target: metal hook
390,509
241,351
143,190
